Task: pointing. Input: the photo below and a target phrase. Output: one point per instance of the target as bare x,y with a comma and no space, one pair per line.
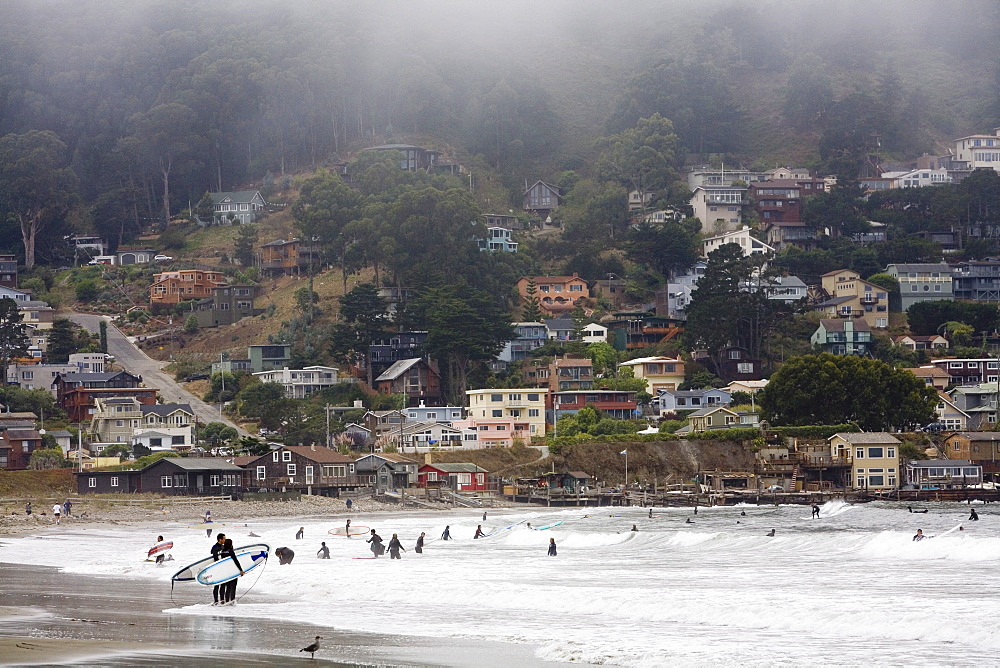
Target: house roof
579,474
643,360
977,435
939,266
458,468
708,410
398,369
838,325
239,196
559,323
841,271
196,463
936,463
930,371
75,377
551,187
553,279
836,301
18,415
281,242
866,437
22,434
691,393
574,362
163,410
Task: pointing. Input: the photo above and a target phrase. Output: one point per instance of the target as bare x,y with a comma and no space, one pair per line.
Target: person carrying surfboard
229,588
162,554
220,541
324,551
479,531
377,548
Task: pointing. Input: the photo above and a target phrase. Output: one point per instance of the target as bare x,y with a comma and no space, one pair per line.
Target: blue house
674,401
843,336
528,336
498,239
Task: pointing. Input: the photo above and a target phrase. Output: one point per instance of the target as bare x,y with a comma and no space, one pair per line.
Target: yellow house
525,407
91,461
873,459
660,373
851,297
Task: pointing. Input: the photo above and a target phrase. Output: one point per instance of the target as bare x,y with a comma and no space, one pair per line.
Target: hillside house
227,305
528,336
269,356
847,296
934,342
556,294
16,446
300,383
977,152
134,256
394,348
415,378
312,468
638,200
8,270
976,280
748,244
526,407
78,393
616,404
240,207
290,257
173,287
444,414
719,208
681,401
922,282
541,198
498,239
874,459
843,337
387,471
660,373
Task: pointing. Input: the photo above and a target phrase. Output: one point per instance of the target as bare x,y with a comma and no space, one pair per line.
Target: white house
594,333
978,151
719,208
639,199
742,238
918,178
175,438
300,383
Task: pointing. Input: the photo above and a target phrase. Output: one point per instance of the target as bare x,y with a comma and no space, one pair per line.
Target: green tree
664,248
958,333
605,358
87,291
246,238
117,450
191,324
263,401
838,389
47,458
254,447
104,336
13,336
641,158
363,319
216,434
926,318
530,309
305,301
839,210
62,341
205,208
166,134
37,185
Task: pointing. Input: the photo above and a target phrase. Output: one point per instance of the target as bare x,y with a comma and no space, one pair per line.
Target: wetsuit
419,549
552,549
284,555
229,588
446,534
479,533
377,548
217,589
394,548
974,517
324,552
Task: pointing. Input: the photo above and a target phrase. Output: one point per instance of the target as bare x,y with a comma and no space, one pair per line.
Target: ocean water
848,589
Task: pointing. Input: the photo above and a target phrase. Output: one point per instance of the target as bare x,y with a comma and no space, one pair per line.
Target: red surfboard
160,547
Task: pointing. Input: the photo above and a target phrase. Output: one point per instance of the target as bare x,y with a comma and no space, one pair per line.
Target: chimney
421,404
428,457
312,447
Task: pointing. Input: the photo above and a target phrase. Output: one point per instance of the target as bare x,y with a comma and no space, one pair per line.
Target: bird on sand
313,648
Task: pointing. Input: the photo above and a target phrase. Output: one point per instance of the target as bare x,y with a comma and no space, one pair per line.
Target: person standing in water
552,547
446,534
479,532
650,513
377,548
324,551
229,588
394,547
919,537
347,529
635,528
220,541
419,549
815,512
973,516
208,516
300,534
484,515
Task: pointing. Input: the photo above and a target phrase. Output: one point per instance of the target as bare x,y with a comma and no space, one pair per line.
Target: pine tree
13,338
530,310
246,237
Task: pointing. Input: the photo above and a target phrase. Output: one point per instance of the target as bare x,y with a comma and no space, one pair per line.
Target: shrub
87,291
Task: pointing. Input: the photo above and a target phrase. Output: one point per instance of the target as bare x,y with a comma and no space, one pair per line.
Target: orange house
556,294
173,287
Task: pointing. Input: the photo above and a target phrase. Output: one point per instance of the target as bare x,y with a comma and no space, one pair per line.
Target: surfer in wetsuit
347,529
479,531
394,547
974,516
771,534
688,521
920,535
229,588
635,528
446,534
552,547
650,513
161,555
27,508
377,548
324,551
300,534
284,555
419,549
815,512
220,540
743,513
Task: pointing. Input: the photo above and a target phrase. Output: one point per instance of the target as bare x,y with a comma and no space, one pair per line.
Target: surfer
300,534
771,534
377,548
635,528
284,555
253,535
220,540
347,529
229,588
419,549
27,508
650,513
743,513
552,547
324,551
815,512
394,547
208,532
974,516
57,511
446,534
484,515
920,536
688,521
161,555
479,531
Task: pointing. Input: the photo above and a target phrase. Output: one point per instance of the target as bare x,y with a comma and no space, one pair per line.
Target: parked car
934,427
775,488
163,258
196,376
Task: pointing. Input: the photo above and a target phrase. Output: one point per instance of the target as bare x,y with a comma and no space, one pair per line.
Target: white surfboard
224,570
355,531
190,572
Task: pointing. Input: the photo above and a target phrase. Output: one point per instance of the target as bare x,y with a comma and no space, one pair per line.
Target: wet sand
52,618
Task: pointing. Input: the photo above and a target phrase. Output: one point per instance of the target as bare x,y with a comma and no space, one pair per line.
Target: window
92,482
213,481
876,480
875,453
496,397
286,456
166,481
290,470
501,427
274,456
514,397
859,453
890,453
744,367
498,413
261,472
114,481
155,442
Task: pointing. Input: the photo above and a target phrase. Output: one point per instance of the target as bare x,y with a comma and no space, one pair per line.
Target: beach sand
53,618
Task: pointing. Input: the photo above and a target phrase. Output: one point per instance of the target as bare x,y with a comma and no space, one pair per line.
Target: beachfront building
386,471
460,477
171,476
313,469
943,474
873,457
525,408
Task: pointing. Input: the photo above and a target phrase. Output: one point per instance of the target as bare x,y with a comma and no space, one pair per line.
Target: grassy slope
48,483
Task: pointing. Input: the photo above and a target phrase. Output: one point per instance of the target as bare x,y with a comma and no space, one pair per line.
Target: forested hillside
145,106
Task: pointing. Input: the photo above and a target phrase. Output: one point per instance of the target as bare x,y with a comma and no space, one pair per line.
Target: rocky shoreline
95,511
